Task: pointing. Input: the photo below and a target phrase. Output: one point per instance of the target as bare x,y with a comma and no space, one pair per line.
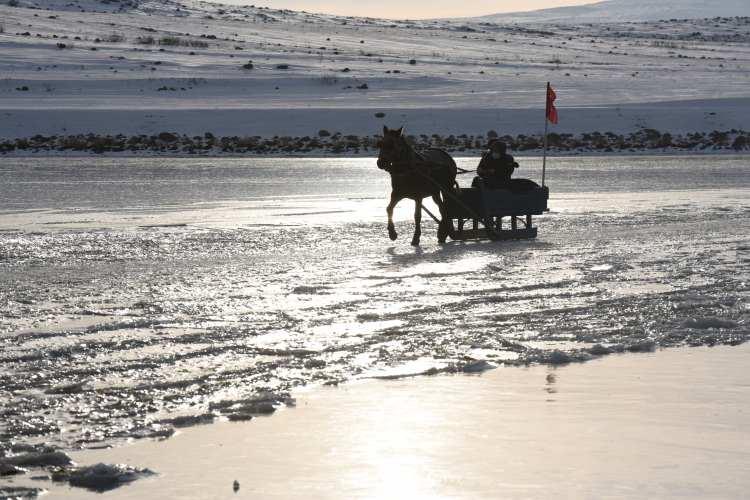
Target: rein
414,160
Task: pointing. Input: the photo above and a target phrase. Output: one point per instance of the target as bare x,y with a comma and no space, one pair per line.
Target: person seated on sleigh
495,168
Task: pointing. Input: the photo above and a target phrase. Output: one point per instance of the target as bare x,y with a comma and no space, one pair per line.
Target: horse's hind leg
417,222
446,223
389,209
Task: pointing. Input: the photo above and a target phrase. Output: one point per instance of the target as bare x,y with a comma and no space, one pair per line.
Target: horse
416,176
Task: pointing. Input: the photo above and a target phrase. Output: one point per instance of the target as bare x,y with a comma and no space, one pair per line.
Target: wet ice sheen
109,328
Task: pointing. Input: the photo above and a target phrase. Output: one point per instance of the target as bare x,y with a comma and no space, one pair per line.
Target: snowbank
190,68
675,117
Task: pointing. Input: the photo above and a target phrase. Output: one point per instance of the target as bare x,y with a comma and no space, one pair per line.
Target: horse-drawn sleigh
489,207
433,174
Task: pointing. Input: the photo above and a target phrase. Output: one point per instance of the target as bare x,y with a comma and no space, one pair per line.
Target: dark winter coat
496,173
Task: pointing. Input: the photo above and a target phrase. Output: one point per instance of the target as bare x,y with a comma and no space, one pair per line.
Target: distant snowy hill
188,66
78,5
101,6
631,10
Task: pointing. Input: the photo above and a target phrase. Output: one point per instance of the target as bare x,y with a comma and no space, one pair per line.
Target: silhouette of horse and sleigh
432,173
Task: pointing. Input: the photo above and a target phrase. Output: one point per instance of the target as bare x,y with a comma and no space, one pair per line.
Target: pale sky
412,9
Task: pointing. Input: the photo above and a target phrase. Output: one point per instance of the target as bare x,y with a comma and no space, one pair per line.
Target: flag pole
546,127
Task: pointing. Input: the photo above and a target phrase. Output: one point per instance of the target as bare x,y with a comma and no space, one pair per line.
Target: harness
417,164
413,162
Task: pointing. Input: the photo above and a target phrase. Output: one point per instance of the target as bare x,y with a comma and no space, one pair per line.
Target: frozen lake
161,285
669,424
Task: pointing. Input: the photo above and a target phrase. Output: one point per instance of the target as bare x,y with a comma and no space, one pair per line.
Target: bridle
400,159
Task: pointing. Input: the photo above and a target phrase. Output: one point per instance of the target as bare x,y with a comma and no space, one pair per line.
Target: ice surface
7,469
18,492
38,459
110,330
101,477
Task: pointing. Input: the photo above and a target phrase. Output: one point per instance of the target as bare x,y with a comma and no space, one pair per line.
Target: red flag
551,110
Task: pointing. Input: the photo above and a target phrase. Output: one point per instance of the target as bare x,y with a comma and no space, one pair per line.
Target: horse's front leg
446,223
389,209
417,222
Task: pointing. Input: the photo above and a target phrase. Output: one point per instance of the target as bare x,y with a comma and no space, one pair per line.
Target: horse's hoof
415,242
392,234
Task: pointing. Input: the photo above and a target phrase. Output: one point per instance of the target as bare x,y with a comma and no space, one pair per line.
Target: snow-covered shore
326,144
191,68
674,117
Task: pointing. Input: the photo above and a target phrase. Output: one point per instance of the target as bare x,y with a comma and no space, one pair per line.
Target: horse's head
394,151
